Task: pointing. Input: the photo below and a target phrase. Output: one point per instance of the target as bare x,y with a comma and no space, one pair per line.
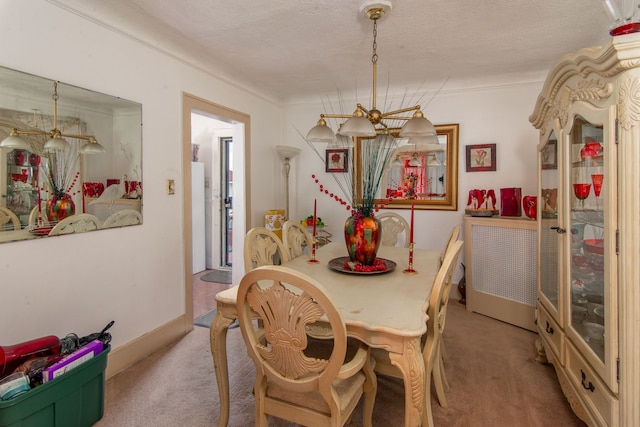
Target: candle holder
313,259
410,269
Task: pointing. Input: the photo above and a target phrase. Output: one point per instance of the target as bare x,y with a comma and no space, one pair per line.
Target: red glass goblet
582,192
597,185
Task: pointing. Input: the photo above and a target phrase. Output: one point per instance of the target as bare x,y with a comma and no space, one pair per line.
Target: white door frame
242,195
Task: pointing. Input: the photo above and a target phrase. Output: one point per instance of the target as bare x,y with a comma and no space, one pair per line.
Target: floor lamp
287,153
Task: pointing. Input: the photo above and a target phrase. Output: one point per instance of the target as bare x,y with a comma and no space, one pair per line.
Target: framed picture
548,156
481,158
337,160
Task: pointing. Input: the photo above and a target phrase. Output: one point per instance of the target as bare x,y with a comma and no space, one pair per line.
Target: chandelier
371,122
56,140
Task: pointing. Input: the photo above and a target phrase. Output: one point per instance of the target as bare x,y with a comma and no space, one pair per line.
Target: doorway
237,190
226,195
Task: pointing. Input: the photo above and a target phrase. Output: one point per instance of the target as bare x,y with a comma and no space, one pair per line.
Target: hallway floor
204,293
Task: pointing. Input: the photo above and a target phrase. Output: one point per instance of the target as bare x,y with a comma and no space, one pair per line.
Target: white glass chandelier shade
14,141
341,141
415,162
358,126
427,143
434,160
57,143
417,126
321,133
92,147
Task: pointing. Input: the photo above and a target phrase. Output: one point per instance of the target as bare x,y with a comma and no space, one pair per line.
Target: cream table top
383,310
16,235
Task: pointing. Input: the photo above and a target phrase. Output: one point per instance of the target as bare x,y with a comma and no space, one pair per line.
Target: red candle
314,217
411,228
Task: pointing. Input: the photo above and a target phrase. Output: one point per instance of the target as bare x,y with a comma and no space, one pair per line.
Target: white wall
493,115
133,275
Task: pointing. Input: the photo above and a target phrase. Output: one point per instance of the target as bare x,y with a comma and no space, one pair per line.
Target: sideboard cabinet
588,291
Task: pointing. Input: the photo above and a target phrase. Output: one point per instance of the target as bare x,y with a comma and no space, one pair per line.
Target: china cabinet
588,312
19,182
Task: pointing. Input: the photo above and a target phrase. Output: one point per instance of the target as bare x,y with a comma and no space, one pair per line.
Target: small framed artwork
548,156
337,160
481,158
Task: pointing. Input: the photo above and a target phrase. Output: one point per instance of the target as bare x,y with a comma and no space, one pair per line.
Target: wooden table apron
383,310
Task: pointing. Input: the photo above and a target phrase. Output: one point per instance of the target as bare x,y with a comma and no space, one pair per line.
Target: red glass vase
362,236
60,207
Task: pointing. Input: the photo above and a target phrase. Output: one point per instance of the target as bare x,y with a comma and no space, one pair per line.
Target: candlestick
314,217
411,227
410,269
313,238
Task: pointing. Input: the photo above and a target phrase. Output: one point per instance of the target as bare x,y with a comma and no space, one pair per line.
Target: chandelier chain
374,57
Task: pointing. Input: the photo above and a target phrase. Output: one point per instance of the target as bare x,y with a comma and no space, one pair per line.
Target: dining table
385,310
17,235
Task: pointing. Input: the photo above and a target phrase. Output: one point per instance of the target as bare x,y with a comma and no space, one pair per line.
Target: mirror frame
27,103
450,200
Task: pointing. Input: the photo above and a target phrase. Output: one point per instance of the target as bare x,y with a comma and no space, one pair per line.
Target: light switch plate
171,187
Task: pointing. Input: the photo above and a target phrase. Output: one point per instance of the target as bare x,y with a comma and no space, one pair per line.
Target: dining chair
6,217
300,379
76,224
435,307
455,233
295,237
263,247
123,218
38,214
394,229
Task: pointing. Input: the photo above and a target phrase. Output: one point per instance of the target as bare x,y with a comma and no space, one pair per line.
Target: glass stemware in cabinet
597,178
581,192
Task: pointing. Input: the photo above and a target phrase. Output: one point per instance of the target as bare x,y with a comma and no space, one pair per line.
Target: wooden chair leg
438,382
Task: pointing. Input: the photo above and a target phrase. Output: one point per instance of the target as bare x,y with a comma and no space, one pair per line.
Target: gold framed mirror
423,175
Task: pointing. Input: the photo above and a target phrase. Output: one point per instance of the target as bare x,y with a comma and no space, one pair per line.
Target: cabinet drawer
593,392
551,333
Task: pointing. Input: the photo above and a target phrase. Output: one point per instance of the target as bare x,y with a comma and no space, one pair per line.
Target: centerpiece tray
338,264
41,231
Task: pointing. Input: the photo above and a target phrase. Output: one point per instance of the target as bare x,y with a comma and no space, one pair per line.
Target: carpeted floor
217,276
490,365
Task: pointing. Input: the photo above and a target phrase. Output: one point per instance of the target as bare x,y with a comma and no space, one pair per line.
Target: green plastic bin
75,399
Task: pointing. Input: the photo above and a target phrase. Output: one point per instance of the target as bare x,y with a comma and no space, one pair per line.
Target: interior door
226,241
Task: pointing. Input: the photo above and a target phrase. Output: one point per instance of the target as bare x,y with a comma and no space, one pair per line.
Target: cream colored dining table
385,310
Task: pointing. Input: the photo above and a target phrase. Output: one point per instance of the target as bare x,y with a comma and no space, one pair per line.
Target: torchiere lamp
287,153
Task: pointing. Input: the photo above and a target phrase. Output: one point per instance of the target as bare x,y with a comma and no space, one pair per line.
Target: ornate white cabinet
588,321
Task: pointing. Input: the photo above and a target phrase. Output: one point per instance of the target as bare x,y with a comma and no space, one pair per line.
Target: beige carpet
495,382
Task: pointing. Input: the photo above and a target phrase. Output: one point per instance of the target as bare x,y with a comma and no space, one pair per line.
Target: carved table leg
411,364
218,343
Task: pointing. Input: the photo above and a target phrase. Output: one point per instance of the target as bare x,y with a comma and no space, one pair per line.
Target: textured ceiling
295,49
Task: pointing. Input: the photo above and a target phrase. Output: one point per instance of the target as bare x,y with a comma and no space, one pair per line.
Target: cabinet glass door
549,178
587,234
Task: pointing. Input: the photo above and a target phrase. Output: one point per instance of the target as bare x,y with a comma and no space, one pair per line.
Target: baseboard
129,354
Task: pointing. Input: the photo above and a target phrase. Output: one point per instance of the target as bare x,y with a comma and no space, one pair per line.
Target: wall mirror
70,158
423,175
